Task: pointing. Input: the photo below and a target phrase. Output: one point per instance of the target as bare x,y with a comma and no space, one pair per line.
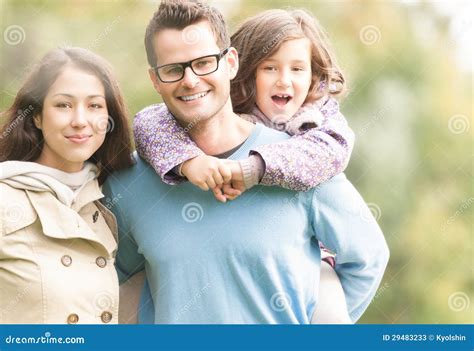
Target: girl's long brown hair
20,140
262,35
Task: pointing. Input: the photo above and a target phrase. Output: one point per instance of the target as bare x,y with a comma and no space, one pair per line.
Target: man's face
193,98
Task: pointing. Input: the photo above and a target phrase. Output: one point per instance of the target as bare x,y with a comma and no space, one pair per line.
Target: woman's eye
269,68
298,69
96,106
63,105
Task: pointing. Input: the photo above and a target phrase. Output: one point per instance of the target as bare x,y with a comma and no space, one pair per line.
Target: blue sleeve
344,224
128,260
146,311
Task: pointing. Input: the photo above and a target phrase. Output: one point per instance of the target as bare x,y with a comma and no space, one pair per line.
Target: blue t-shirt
252,260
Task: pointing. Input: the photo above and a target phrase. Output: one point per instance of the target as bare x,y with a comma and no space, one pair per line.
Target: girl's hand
237,179
225,192
206,172
224,177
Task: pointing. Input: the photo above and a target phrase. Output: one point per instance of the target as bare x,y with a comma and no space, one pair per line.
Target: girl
64,134
287,79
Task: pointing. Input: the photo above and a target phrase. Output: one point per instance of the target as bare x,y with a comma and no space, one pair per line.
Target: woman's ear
37,121
233,62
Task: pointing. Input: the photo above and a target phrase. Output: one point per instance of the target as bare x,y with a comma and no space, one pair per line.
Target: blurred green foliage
409,104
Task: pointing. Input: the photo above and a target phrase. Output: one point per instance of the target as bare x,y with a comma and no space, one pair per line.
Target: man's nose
190,79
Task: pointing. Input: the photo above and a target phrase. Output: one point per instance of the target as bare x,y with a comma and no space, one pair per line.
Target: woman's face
73,120
283,80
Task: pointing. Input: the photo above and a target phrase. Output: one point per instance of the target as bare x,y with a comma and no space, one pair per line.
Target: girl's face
283,80
73,120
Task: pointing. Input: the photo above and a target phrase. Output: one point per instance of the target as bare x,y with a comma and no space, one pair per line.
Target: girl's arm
312,156
299,163
162,142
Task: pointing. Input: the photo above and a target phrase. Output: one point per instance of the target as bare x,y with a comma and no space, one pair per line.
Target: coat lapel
61,222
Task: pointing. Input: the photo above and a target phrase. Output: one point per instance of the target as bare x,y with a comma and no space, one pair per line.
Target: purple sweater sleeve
299,163
162,141
312,157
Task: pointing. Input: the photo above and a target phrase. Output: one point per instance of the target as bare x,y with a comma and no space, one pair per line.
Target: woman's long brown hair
20,139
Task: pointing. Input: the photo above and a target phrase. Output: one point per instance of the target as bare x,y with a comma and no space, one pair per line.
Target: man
252,260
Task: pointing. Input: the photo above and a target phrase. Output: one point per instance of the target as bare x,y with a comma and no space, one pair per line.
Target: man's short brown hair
178,14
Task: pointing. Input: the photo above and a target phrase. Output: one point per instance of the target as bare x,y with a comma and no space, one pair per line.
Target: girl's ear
37,121
232,59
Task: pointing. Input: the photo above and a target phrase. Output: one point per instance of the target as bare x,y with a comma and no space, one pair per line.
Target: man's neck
221,133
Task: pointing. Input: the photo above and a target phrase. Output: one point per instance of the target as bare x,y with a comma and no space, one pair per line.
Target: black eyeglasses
201,66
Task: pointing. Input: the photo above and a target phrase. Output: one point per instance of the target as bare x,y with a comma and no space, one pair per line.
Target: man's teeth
193,97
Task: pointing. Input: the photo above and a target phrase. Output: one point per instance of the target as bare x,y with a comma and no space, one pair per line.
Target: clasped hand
224,177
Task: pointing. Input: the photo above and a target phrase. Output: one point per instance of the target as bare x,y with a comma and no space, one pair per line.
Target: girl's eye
298,69
96,106
269,68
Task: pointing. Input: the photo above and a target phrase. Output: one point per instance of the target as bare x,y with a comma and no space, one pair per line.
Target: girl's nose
284,80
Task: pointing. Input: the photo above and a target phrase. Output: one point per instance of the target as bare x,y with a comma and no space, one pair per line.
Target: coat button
106,316
66,260
72,318
101,261
95,216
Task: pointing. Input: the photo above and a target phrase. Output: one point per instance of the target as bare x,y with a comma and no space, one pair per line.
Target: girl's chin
280,113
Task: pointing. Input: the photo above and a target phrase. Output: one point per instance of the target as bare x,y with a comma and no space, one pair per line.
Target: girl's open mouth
281,99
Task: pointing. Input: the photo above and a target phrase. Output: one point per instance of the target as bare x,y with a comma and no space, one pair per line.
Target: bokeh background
409,66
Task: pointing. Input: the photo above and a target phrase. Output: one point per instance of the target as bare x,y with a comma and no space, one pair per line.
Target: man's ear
154,79
232,59
37,120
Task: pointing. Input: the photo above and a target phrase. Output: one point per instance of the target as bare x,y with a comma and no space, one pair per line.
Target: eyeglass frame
187,64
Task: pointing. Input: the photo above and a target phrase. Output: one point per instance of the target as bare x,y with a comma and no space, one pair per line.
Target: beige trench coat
56,262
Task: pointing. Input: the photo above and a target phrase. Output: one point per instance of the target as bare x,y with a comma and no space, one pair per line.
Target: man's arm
128,261
344,224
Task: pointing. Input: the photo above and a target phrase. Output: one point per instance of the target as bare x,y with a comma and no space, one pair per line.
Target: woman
64,134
